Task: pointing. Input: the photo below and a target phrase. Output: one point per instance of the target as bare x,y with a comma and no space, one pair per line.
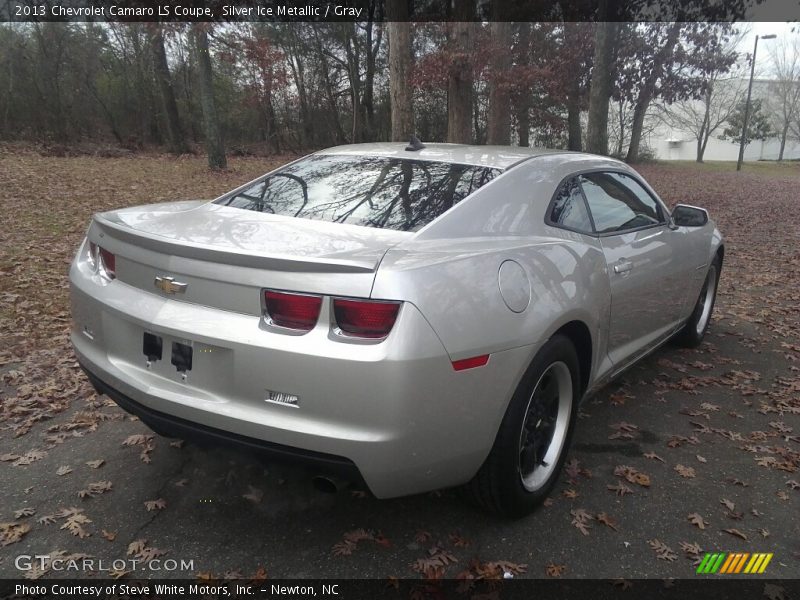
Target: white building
670,142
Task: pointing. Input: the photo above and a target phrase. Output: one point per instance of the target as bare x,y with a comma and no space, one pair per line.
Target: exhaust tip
326,484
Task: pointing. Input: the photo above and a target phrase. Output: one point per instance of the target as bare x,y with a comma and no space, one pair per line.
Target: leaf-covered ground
691,451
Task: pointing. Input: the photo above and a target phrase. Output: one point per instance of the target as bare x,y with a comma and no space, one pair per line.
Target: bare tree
177,143
784,93
619,126
703,117
215,146
722,91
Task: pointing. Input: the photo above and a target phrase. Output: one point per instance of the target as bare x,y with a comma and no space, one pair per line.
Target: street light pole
747,104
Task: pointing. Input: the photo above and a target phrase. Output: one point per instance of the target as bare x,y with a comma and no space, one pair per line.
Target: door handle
623,266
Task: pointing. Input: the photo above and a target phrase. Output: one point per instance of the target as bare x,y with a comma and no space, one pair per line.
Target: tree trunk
459,83
400,60
639,112
373,44
353,57
705,133
573,95
336,124
271,121
574,122
177,142
215,146
523,124
600,90
499,117
784,134
296,65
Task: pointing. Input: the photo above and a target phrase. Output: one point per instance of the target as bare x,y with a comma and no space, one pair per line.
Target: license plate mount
182,356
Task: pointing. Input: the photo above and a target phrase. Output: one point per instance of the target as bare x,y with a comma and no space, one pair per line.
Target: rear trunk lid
226,255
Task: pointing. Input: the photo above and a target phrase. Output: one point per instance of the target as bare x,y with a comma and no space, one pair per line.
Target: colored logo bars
729,563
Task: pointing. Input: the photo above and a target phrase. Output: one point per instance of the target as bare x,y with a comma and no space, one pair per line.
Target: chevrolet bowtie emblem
168,285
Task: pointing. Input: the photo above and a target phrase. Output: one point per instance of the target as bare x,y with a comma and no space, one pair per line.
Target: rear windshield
388,193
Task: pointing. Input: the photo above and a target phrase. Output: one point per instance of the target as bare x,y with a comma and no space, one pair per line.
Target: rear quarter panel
455,286
449,270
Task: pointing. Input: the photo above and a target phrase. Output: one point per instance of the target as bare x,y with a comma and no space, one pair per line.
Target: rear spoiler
276,262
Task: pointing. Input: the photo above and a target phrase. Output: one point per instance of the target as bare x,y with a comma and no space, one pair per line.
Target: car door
643,276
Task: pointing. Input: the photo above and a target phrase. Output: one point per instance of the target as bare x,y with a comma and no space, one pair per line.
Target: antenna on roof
414,144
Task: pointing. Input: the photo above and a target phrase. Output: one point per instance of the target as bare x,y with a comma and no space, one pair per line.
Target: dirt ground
715,429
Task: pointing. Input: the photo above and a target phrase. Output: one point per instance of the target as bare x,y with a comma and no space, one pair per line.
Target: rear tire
693,332
534,436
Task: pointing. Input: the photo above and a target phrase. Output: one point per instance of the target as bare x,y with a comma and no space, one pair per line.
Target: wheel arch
578,333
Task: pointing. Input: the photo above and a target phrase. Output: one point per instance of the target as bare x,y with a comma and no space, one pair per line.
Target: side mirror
689,216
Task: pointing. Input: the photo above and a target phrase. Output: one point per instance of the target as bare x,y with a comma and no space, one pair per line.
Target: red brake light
295,311
109,263
365,318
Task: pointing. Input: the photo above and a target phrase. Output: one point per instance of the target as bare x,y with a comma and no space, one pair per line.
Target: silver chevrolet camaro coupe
412,317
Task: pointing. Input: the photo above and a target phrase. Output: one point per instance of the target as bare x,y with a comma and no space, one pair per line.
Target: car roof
499,157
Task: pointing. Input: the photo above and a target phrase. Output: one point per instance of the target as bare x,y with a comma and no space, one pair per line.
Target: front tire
531,445
693,332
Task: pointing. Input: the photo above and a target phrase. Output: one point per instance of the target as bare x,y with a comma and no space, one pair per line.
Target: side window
618,203
569,209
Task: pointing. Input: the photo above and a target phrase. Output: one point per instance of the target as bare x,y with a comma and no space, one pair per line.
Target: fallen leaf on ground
620,489
653,456
95,489
554,570
581,520
632,475
697,520
663,552
607,521
254,495
736,532
159,504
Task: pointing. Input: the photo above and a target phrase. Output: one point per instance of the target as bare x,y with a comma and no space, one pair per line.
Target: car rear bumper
200,434
396,410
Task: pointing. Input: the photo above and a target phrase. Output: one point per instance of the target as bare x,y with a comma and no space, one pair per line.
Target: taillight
109,262
365,318
294,311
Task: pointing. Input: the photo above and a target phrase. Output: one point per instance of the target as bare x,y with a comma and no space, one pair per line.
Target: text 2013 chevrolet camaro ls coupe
419,317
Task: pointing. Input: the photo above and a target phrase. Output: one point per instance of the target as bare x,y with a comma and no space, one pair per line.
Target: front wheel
533,439
693,332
